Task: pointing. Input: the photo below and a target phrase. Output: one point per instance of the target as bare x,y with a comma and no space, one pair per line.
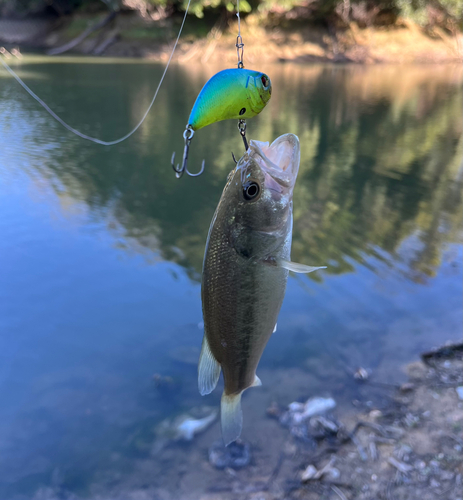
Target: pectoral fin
208,369
295,267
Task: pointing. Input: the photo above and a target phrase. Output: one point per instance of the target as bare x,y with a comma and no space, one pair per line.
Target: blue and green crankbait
231,93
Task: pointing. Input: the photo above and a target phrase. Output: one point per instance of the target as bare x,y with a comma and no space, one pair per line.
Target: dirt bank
405,43
131,36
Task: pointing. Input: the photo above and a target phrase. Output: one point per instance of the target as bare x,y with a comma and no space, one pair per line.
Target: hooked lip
279,160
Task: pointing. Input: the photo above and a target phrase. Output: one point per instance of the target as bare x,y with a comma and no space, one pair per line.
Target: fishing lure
232,93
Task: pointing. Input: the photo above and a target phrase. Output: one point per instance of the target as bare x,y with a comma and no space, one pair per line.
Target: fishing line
75,131
238,16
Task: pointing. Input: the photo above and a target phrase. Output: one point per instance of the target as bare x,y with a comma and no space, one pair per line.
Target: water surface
101,251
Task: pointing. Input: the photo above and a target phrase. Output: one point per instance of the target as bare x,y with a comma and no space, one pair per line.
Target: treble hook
187,135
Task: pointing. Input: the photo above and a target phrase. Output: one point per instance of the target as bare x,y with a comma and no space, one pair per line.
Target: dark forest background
447,14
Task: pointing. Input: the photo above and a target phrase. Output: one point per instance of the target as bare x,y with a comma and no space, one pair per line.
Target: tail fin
232,417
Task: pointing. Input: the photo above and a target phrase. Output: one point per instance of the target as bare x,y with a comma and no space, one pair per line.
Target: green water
101,251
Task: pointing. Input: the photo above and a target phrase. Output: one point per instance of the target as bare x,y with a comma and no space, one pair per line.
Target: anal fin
208,369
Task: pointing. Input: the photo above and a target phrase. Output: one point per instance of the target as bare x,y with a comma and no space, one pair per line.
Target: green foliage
198,7
366,12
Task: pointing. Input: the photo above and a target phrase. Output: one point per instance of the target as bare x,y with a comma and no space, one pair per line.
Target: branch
91,29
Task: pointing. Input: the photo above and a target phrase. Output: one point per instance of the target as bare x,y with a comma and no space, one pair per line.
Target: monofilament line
238,16
80,134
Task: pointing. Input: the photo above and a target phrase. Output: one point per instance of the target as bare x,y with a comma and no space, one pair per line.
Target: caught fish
231,93
245,270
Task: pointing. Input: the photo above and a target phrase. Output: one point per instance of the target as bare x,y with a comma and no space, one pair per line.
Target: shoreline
397,441
133,37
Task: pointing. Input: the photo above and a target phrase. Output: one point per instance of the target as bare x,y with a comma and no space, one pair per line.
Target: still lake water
101,251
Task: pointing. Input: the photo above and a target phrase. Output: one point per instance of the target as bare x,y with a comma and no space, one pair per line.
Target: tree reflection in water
381,161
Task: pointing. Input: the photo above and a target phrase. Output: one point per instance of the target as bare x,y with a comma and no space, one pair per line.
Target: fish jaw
258,225
279,161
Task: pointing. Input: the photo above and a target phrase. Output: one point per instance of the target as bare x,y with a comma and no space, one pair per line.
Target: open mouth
280,160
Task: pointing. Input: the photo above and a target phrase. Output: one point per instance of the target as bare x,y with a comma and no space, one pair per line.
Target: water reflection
85,321
381,159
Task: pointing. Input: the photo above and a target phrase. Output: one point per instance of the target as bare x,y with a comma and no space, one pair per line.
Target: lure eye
251,191
265,81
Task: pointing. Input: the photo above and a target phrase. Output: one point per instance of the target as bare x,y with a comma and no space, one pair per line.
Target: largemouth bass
245,270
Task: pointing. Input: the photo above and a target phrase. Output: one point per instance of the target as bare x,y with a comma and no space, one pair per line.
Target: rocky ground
406,445
408,448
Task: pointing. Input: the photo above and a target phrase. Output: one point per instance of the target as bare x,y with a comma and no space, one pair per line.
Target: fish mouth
279,161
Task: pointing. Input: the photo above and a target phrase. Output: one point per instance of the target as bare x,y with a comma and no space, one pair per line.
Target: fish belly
241,302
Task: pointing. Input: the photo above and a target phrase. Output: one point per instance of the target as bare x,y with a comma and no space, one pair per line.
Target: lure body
231,93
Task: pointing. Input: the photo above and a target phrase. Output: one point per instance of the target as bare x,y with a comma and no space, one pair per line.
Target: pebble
235,456
296,406
289,449
446,475
411,420
332,474
460,392
400,466
230,472
309,473
274,410
407,387
434,483
321,427
361,374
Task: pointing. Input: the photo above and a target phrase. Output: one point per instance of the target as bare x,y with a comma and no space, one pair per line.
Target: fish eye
251,190
242,111
265,81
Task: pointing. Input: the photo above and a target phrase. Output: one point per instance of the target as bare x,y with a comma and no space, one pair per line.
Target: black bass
245,270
